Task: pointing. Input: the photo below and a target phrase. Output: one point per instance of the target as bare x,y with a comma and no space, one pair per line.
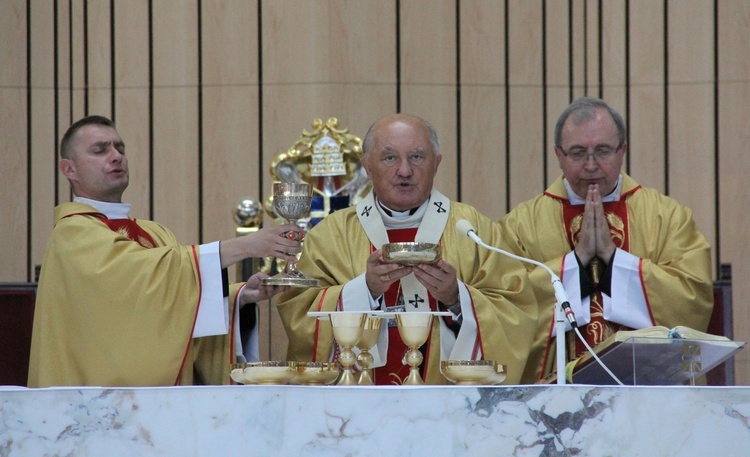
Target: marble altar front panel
375,421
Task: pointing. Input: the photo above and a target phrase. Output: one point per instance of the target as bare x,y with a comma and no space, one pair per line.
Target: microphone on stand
465,228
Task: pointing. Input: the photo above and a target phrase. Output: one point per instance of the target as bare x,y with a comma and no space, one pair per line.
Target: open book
661,332
652,356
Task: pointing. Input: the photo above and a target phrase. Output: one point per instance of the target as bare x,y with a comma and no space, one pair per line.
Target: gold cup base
283,280
347,378
414,379
365,379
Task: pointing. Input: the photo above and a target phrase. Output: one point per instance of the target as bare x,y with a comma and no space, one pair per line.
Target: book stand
655,361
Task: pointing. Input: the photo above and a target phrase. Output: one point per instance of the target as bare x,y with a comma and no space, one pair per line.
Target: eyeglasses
601,154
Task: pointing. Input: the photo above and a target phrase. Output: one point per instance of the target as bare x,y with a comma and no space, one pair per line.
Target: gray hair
369,138
584,109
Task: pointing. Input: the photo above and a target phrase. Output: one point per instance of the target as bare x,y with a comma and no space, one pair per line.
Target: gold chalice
414,328
292,202
348,327
369,338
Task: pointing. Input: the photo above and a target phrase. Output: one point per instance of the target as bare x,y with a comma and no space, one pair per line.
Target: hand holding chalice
291,201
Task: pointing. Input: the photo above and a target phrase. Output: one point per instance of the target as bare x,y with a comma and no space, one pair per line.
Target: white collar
401,219
111,210
576,200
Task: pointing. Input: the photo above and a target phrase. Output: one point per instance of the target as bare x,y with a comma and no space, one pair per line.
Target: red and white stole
394,371
407,295
598,329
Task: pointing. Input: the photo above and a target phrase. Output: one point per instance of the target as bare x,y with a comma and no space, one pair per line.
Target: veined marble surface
376,421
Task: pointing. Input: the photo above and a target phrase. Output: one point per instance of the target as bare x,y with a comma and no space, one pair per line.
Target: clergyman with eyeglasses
628,256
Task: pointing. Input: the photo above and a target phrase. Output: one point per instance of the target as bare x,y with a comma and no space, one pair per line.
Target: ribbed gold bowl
264,372
237,373
316,373
411,254
473,372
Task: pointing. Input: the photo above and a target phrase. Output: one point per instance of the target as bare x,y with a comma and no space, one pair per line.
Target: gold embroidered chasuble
111,312
674,270
336,250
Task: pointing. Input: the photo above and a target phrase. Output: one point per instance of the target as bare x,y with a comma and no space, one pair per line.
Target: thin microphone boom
465,228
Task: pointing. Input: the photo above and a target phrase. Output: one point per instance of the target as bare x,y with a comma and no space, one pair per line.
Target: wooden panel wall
206,92
15,158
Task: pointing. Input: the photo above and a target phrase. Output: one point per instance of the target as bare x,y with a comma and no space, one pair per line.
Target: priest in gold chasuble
120,302
493,312
629,257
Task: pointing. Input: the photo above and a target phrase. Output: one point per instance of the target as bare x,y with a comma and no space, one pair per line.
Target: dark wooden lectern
16,319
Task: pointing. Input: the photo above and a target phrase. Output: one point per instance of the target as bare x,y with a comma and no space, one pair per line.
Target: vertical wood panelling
691,110
132,98
646,121
322,59
72,93
483,119
579,47
325,59
252,74
63,96
230,112
99,57
175,122
558,81
77,66
592,65
13,141
612,62
734,167
42,109
293,61
428,76
526,173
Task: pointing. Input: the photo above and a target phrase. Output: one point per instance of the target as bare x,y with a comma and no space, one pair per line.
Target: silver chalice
291,201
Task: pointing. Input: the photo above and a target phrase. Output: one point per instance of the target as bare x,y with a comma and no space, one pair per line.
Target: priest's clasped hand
595,239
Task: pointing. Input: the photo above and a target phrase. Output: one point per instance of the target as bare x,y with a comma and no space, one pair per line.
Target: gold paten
316,373
271,372
473,372
411,253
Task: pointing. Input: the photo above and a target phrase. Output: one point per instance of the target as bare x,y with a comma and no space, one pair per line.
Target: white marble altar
376,421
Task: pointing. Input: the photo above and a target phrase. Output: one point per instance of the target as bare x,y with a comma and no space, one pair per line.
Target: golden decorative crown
324,151
328,158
